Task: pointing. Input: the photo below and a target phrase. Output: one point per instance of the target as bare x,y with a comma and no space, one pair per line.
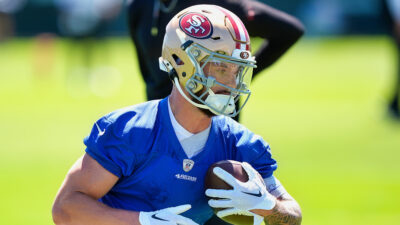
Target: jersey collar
173,140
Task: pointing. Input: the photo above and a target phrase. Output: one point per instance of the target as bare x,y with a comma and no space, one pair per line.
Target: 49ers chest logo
188,165
196,25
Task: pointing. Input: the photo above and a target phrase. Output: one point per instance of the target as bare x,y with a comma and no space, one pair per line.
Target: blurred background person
7,9
84,22
148,18
43,56
392,16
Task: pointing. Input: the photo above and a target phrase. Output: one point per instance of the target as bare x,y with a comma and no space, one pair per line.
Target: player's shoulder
141,116
239,134
137,109
229,126
246,146
121,134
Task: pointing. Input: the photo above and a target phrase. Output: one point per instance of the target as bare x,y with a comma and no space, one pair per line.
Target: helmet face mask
210,74
214,70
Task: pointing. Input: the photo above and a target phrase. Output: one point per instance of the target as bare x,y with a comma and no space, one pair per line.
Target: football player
148,18
146,164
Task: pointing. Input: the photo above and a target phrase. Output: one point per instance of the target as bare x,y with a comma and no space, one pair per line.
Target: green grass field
322,108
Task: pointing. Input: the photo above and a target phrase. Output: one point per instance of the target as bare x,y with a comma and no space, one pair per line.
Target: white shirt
191,143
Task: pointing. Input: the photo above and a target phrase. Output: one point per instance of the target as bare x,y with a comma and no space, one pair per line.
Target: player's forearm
286,212
272,49
78,208
282,33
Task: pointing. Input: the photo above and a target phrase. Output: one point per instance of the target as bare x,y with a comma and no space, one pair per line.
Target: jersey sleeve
258,153
274,186
107,146
253,149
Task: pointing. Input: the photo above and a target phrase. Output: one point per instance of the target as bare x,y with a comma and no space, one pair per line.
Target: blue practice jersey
138,144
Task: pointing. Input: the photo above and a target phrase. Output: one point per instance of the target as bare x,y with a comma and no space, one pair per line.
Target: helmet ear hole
178,60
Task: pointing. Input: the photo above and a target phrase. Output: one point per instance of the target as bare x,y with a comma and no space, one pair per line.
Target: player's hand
167,216
244,196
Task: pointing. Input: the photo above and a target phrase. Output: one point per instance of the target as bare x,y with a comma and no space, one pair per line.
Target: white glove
167,216
244,196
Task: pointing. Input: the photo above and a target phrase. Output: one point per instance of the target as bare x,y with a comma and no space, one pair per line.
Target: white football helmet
204,44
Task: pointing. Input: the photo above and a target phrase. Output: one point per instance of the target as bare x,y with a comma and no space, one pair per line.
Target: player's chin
207,112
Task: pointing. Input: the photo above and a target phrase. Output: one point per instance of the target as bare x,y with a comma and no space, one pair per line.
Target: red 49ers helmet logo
196,25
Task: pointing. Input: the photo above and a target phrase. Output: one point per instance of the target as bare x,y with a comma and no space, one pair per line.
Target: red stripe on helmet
234,25
246,34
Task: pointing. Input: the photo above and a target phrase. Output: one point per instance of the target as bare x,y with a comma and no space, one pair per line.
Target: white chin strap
178,86
219,102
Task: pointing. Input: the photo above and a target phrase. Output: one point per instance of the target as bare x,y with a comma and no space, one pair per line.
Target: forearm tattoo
287,212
